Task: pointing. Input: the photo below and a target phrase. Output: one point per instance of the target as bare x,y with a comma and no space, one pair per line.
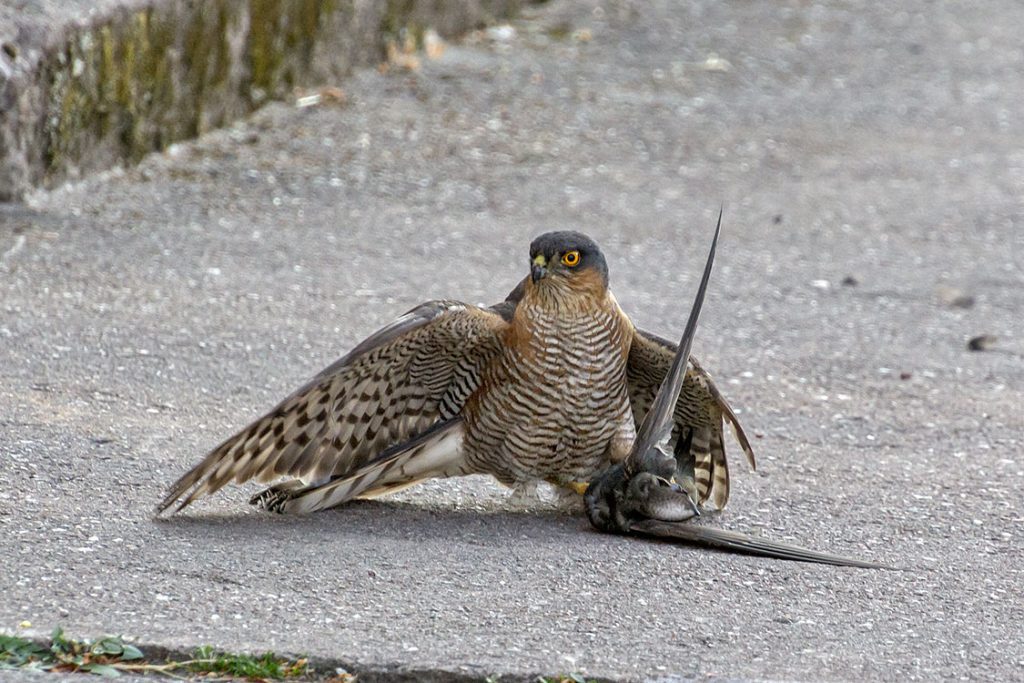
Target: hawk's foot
568,486
272,499
603,500
578,487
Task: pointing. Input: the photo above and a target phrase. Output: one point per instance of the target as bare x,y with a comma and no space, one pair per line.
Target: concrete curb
87,85
331,668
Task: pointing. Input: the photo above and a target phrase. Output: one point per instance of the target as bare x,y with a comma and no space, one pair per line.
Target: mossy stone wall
146,74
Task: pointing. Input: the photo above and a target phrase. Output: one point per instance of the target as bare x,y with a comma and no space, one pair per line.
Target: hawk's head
569,258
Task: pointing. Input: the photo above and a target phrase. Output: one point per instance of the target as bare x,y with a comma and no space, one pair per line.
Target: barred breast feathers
554,403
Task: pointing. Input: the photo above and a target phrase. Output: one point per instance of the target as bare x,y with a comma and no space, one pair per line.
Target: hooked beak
538,269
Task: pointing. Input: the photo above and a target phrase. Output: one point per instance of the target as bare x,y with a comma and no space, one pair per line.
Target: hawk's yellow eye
571,258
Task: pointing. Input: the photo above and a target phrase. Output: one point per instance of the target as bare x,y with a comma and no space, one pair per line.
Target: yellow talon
579,487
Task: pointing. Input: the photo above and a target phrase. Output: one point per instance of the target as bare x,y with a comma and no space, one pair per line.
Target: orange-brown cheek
587,281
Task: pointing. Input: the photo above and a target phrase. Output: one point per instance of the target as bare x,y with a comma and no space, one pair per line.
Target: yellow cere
540,260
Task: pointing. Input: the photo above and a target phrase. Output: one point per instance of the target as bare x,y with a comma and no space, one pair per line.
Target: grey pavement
147,313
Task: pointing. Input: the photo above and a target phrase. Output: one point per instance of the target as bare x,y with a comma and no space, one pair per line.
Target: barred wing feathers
413,373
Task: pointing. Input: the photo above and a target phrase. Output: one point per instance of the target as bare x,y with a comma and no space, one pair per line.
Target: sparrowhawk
548,385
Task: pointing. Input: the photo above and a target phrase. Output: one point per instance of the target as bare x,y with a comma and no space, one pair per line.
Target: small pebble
983,342
502,33
950,296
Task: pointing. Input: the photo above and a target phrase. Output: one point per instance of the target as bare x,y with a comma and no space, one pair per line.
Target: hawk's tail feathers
720,409
720,465
703,467
710,467
741,436
434,453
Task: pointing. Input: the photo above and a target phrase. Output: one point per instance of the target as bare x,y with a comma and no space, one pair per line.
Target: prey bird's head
567,258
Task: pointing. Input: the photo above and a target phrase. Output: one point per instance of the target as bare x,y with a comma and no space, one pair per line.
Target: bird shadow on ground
387,519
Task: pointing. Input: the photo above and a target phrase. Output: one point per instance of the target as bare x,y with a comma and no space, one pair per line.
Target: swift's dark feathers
747,544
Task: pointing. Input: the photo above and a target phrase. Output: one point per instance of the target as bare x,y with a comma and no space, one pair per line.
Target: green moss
206,59
397,25
264,50
73,105
396,17
282,40
169,72
152,106
106,85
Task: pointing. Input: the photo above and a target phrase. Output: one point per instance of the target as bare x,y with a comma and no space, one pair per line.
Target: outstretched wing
699,418
409,375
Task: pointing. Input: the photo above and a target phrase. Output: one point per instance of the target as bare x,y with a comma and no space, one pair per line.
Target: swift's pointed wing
657,423
743,543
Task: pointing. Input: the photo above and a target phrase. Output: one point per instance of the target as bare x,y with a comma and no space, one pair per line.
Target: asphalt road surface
871,166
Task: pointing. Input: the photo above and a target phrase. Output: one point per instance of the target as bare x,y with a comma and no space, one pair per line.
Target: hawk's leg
567,495
524,494
567,486
569,500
